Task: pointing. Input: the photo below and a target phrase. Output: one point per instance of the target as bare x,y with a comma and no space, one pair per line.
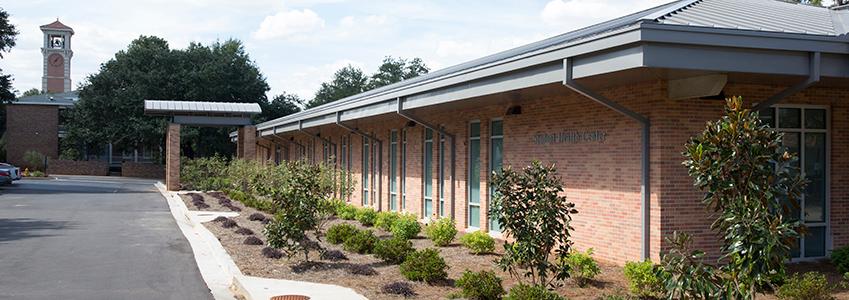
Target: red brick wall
75,167
142,170
31,127
602,178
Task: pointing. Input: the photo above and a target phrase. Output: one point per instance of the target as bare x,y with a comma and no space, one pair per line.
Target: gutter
379,159
400,111
645,178
813,77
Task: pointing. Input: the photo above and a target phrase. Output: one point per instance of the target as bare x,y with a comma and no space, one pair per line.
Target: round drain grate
290,297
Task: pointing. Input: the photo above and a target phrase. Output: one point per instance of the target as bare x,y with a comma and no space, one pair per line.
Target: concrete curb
220,272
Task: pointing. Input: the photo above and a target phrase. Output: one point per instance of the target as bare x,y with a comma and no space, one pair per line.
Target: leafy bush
366,216
686,275
749,182
393,250
364,270
347,212
484,285
478,242
336,204
840,259
532,210
256,217
244,231
810,286
300,191
406,227
441,232
583,267
252,240
643,279
338,233
398,288
271,253
37,173
361,242
34,160
204,173
333,255
385,219
229,223
532,292
424,265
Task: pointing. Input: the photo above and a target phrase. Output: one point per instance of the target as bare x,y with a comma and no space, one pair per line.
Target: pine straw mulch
251,262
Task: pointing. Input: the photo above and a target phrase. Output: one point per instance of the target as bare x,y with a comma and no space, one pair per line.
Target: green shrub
532,292
336,205
441,232
366,216
478,242
251,201
385,219
424,265
642,279
406,227
34,160
810,286
204,174
582,266
393,250
338,233
484,285
361,242
347,212
840,259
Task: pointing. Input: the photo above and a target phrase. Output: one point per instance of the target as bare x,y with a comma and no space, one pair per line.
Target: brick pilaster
246,143
172,157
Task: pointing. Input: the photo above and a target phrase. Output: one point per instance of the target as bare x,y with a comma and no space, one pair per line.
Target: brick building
612,106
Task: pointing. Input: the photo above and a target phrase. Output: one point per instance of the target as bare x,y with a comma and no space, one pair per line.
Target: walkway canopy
196,113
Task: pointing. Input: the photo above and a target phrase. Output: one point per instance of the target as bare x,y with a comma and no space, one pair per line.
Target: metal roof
758,15
60,99
766,16
168,107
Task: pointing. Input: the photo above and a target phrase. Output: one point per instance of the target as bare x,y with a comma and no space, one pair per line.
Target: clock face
55,60
57,42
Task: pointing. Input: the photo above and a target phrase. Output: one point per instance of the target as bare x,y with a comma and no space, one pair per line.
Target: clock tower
57,57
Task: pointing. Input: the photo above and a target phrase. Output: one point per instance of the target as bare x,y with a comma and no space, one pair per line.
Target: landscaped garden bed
251,261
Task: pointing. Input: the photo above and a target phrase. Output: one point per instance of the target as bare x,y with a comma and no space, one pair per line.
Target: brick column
172,157
246,144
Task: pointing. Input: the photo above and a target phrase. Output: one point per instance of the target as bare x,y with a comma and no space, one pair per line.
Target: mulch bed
250,260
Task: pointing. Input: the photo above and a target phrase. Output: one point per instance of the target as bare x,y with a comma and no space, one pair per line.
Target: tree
282,105
8,34
346,82
31,92
751,185
111,107
350,80
535,216
394,70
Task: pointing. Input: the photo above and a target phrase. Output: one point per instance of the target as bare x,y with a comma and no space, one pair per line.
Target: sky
298,44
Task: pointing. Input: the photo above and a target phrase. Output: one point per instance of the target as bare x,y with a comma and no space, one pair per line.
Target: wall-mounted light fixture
514,110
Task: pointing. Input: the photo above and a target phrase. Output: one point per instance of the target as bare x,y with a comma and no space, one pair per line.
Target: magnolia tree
532,210
750,184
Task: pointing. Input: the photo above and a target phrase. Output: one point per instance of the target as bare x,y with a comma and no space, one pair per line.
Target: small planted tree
751,186
302,198
533,212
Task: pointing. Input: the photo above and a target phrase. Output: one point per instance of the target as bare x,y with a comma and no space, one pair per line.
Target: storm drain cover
290,297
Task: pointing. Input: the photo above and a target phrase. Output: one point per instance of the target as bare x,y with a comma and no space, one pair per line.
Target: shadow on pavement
13,229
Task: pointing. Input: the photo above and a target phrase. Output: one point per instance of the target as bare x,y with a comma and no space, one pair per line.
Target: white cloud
287,23
574,14
306,79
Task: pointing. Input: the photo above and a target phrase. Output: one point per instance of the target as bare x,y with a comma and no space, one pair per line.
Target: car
13,172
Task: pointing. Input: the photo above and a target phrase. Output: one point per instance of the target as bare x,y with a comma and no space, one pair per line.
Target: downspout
813,77
379,163
645,178
402,113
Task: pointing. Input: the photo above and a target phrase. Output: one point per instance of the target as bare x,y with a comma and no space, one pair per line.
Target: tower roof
56,25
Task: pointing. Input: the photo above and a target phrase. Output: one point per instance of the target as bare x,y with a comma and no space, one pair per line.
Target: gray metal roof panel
61,99
189,107
758,15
